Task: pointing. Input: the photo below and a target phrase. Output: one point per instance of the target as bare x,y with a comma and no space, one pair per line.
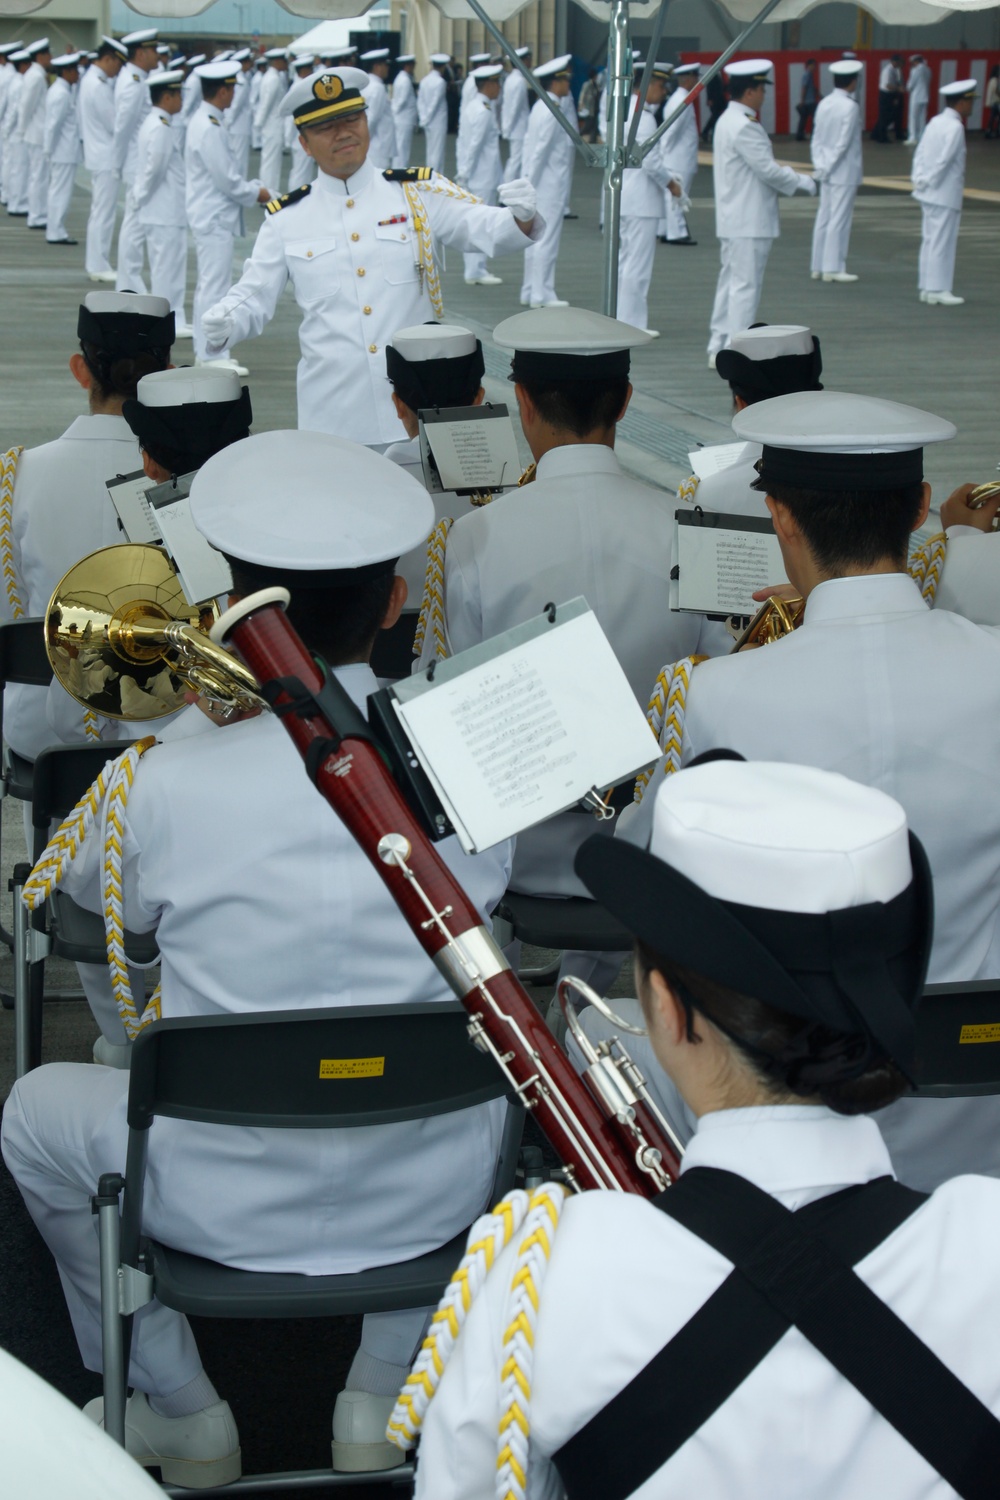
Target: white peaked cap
814,840
660,67
163,50
567,330
42,45
682,69
224,54
68,60
305,60
16,57
557,65
335,52
772,341
439,59
963,88
406,57
488,70
196,61
475,58
165,77
137,38
317,90
341,505
749,67
140,304
836,422
522,51
184,387
240,55
638,63
9,47
217,72
433,341
276,52
846,68
377,54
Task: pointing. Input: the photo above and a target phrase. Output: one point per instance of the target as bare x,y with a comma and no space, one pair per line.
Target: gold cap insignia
328,87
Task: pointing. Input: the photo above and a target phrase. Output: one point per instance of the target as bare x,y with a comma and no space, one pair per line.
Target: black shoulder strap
790,1269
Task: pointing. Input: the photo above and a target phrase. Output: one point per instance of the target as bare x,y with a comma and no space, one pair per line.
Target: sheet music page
130,499
203,572
715,458
523,736
474,447
719,566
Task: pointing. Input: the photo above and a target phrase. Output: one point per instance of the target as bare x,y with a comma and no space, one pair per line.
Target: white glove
217,326
520,197
683,203
818,174
808,185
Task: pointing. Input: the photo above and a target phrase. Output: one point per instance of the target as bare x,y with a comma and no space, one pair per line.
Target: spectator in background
992,103
587,107
808,99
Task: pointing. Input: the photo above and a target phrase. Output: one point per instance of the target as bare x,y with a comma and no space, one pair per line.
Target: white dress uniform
271,124
514,114
191,94
970,578
546,161
835,148
32,109
349,250
680,152
938,181
748,182
728,488
643,190
15,151
239,122
404,116
382,151
7,75
131,107
918,86
477,163
794,1406
432,115
215,196
63,150
160,203
256,79
97,126
302,168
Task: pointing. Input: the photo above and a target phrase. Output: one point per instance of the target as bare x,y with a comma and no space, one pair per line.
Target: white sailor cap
68,60
433,341
831,440
19,57
133,304
195,62
181,387
275,52
406,57
42,45
344,509
163,50
326,96
522,51
305,60
240,55
771,360
846,68
477,58
772,341
140,38
487,70
377,54
217,72
9,47
126,323
190,413
333,53
684,70
962,88
165,78
110,41
440,59
660,69
557,67
568,343
178,61
223,54
757,68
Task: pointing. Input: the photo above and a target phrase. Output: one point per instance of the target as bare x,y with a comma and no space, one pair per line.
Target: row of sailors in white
23,85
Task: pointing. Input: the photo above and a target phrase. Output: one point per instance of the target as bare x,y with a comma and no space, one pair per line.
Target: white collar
577,458
870,595
744,109
99,426
790,1148
350,187
358,681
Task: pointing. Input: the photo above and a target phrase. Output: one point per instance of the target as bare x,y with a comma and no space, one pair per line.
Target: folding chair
958,1040
60,929
23,660
267,1070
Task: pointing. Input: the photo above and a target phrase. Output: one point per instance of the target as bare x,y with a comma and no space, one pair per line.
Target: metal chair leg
105,1205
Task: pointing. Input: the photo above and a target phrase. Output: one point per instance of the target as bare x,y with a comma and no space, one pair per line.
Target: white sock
376,1376
195,1396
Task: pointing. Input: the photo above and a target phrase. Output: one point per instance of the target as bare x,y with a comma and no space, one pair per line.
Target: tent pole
618,90
647,73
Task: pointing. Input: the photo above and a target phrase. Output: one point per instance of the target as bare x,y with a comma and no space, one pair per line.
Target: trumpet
776,618
123,640
983,492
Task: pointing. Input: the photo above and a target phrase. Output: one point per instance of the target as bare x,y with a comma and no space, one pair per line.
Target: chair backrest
23,657
958,1039
61,776
342,1066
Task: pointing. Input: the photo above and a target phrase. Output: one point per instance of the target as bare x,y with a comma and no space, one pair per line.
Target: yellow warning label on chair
986,1031
356,1067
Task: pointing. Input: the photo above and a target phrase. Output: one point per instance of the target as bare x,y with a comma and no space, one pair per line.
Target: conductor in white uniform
835,148
356,246
477,156
748,183
96,106
938,183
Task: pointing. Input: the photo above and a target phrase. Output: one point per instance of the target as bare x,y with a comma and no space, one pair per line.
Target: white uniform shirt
748,180
477,153
514,106
918,85
97,120
939,162
404,103
680,142
835,146
729,489
624,1279
413,565
159,174
190,97
131,106
62,125
889,78
216,194
32,105
263,901
643,187
237,116
548,159
7,75
970,579
273,87
380,126
348,249
432,98
12,115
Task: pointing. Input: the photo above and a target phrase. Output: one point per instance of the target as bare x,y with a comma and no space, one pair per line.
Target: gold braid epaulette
925,564
408,174
431,620
8,474
665,716
295,196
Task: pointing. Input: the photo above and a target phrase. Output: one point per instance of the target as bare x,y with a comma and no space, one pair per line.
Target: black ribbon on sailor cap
435,382
125,334
194,430
760,379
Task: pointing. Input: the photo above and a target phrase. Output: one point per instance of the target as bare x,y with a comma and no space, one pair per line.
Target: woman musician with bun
856,1338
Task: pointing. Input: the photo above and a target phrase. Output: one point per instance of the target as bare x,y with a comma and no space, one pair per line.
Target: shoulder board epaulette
215,121
277,204
135,78
408,174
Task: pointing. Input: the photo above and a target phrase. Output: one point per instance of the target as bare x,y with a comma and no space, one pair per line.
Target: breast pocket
397,248
313,269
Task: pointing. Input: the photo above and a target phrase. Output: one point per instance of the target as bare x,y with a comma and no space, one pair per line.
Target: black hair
106,50
118,374
844,80
157,93
579,407
210,87
786,1054
853,528
742,85
337,623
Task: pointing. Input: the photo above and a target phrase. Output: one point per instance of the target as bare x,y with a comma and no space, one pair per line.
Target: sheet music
472,447
203,571
722,560
715,458
130,499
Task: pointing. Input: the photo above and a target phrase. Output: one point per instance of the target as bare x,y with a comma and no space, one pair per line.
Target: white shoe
102,275
488,280
224,364
556,302
711,361
359,1443
838,276
923,296
196,1452
183,331
943,299
654,333
112,1054
815,275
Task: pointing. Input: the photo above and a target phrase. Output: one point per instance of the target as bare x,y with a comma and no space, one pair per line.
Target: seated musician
878,687
782,921
962,567
262,901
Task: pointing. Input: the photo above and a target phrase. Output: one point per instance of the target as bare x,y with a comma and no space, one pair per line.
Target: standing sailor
238,118
404,108
468,89
302,168
918,87
270,121
547,161
643,189
380,126
62,145
680,150
477,157
515,109
96,105
938,184
256,79
131,107
432,111
835,148
748,183
32,108
8,72
159,192
15,151
192,88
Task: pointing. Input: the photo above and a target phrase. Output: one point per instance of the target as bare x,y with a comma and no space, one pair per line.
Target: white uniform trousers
301,171
435,137
637,247
832,229
404,142
741,277
215,277
101,221
167,246
271,151
62,176
918,122
514,159
131,241
16,177
938,244
675,221
539,285
241,152
474,261
38,186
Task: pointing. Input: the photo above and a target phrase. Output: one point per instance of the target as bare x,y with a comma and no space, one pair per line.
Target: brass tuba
123,640
775,618
983,492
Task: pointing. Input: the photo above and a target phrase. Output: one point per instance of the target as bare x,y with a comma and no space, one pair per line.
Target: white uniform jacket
643,187
514,107
939,162
680,142
970,580
432,98
237,116
412,566
273,87
159,175
32,105
350,252
191,98
729,489
216,193
548,159
262,901
97,120
918,85
404,103
62,125
131,106
477,154
748,180
623,1280
380,126
12,114
835,146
